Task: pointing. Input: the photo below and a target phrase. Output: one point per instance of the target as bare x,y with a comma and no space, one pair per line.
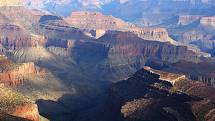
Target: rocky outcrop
173,78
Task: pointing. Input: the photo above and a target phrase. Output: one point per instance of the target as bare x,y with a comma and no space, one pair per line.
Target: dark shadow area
48,18
73,107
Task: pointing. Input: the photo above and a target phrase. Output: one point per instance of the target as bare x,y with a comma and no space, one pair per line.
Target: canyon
86,60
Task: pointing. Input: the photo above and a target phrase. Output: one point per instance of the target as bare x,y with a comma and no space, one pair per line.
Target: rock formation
122,53
15,37
15,104
144,96
101,23
95,20
14,74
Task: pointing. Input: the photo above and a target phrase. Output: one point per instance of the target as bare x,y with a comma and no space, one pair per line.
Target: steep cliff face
129,45
98,21
144,96
15,37
122,53
14,74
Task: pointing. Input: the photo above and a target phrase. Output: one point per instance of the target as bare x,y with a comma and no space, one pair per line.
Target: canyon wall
208,21
96,21
188,19
14,74
15,37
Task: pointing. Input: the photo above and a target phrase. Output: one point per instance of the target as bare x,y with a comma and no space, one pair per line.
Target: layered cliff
14,74
95,20
198,33
101,23
14,37
122,53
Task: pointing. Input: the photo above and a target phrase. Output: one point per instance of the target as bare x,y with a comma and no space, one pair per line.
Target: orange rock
27,111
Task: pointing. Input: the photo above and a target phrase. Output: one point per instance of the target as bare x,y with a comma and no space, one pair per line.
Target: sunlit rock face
15,74
95,20
15,37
